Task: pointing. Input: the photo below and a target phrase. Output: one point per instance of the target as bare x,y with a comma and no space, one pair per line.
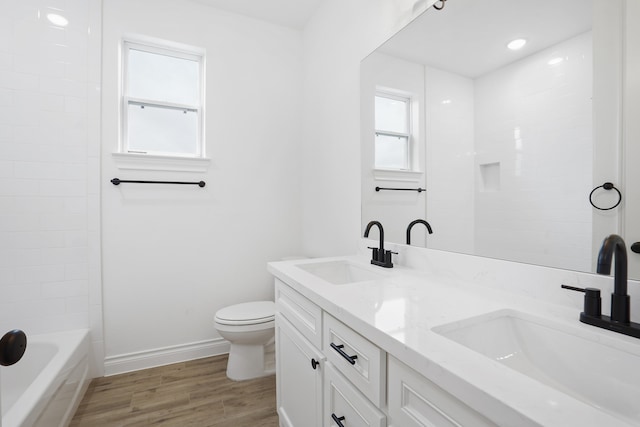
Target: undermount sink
341,272
590,371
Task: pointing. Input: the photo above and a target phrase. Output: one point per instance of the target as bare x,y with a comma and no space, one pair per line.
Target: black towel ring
606,186
441,5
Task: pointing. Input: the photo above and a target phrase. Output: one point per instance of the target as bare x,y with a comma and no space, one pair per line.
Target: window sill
397,175
160,163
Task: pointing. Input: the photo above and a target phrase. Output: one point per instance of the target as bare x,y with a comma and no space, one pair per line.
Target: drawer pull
314,363
338,420
338,348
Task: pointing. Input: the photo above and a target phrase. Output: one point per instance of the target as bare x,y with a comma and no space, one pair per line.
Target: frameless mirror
501,137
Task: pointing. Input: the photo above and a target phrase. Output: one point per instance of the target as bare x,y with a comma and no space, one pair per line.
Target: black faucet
612,246
412,223
379,256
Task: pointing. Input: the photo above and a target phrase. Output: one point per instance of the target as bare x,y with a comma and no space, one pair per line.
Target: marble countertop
399,311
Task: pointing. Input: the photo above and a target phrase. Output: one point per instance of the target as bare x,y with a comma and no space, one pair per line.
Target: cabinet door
414,401
298,377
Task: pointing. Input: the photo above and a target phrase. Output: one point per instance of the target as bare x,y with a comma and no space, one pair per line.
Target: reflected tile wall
535,121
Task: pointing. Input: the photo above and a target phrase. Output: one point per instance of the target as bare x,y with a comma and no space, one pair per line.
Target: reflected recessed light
555,61
516,44
446,101
58,20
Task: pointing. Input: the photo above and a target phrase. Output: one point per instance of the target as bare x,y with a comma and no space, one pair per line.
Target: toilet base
247,362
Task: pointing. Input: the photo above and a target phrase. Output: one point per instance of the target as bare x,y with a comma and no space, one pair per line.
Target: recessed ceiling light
555,61
516,44
58,20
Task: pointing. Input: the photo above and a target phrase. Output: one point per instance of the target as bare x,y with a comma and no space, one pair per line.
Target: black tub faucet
412,223
379,256
619,321
613,245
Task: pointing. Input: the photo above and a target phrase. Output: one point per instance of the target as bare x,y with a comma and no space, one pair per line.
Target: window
393,127
162,100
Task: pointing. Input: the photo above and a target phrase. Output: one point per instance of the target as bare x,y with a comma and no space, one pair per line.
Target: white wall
338,37
174,255
49,168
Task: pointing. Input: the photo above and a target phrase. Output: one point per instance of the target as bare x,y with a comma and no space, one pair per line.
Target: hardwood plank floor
194,393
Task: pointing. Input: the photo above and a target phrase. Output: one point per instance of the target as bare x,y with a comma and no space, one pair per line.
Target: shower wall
49,167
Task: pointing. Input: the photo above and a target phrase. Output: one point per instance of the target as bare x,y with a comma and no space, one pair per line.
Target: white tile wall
49,214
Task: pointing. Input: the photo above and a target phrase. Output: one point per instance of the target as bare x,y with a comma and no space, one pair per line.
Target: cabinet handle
635,247
338,420
338,348
314,363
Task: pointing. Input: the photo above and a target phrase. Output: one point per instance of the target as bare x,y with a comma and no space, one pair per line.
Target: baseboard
120,364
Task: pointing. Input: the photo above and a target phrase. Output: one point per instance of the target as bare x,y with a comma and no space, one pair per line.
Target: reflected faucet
379,256
614,245
619,321
417,221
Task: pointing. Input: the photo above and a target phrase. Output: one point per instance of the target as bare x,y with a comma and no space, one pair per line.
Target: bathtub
47,385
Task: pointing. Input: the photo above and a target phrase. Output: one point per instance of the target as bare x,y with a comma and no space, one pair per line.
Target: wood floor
194,393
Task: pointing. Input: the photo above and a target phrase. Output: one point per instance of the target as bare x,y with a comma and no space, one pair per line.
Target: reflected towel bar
117,181
419,190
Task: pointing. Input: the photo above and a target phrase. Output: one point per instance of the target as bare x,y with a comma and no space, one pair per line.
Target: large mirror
508,141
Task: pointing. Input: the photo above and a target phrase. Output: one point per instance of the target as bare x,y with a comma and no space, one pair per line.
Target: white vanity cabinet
299,362
331,376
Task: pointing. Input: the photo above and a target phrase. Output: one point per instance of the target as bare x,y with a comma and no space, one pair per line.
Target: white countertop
397,313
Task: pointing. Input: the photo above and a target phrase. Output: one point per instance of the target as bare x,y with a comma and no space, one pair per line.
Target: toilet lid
247,313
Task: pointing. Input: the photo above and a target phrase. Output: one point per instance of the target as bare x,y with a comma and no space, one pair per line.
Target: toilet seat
249,313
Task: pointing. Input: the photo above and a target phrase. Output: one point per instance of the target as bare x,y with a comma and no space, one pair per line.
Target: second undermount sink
341,272
591,371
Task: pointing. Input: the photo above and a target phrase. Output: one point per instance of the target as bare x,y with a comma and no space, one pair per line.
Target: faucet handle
592,300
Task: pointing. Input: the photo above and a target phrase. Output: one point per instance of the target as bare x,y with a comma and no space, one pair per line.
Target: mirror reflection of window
392,123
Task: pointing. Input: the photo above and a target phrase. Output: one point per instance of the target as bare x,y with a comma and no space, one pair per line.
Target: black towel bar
117,181
419,190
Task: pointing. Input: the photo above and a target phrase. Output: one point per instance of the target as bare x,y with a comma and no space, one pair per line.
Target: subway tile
63,188
77,304
75,205
6,97
7,276
65,289
66,222
77,272
18,222
27,257
6,169
76,239
62,256
15,293
39,274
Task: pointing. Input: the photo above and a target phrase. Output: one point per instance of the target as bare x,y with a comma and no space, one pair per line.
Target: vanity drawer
341,399
356,358
414,401
302,313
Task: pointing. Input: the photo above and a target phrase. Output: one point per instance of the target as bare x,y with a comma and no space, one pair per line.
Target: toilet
249,327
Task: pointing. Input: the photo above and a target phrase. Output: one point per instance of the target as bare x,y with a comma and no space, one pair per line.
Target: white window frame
408,135
167,49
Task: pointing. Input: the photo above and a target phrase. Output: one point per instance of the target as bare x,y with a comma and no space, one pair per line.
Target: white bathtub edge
26,412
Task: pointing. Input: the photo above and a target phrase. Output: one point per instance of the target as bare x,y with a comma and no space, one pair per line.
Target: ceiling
289,13
469,37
